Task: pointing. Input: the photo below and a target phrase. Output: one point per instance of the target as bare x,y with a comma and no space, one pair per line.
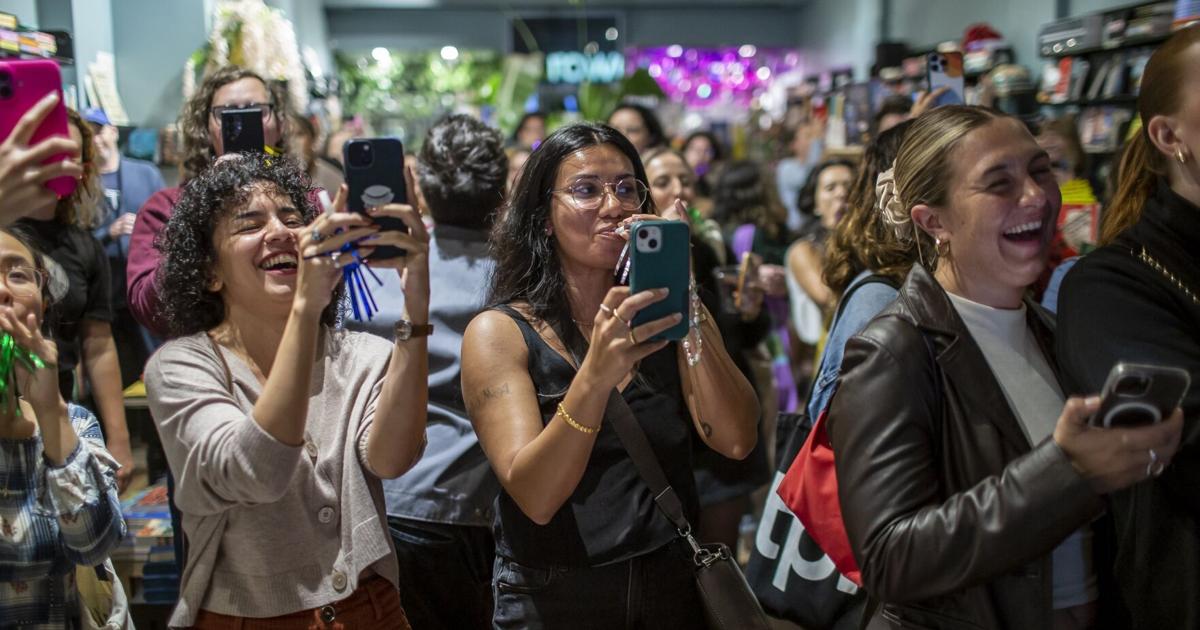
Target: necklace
1151,262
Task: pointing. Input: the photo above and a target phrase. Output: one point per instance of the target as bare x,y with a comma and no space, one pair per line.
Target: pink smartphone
23,82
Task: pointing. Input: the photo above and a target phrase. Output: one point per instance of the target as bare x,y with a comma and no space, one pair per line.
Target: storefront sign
576,67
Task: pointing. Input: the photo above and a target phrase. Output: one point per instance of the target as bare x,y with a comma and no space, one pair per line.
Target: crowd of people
453,462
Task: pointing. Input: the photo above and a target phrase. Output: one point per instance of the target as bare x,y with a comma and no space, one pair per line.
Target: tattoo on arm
490,393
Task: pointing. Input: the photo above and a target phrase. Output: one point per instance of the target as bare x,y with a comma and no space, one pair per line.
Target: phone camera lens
642,234
5,85
360,154
1133,386
653,243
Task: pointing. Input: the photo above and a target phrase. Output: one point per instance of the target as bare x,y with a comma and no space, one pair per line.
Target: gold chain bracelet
562,412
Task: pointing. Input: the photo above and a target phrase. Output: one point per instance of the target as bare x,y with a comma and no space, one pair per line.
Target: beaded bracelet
694,352
562,412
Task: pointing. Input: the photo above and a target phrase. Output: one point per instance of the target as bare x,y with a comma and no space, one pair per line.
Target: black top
79,284
611,516
1115,307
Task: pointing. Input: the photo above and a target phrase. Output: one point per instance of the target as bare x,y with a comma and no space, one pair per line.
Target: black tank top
611,516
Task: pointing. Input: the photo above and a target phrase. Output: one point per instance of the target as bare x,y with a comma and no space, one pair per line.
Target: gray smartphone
1137,395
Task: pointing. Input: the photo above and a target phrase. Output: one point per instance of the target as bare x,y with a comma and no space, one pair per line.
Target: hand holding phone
375,177
660,254
36,151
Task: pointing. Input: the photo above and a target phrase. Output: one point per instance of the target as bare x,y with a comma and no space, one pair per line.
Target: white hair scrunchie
889,205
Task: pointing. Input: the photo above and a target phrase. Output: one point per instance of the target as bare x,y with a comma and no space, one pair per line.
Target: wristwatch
406,330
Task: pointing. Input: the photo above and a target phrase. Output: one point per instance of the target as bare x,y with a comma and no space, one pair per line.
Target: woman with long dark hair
579,540
1137,299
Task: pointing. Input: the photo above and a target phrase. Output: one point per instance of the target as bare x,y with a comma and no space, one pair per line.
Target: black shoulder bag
728,601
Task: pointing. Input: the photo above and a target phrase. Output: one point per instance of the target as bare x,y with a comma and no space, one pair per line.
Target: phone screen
946,70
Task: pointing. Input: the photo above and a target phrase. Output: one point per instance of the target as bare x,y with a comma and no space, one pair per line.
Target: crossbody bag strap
618,413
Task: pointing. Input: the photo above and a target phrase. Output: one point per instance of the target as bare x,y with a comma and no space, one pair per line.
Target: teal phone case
669,266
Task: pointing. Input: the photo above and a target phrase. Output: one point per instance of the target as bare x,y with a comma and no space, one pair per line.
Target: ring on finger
608,310
632,336
1153,469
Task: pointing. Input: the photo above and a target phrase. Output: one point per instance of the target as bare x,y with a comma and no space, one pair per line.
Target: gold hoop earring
1180,155
942,252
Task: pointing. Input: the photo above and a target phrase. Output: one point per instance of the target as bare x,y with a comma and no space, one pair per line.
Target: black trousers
445,574
655,591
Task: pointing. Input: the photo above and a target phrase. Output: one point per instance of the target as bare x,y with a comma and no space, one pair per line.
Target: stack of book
146,557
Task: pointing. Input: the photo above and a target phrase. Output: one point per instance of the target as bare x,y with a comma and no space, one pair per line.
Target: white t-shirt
1036,399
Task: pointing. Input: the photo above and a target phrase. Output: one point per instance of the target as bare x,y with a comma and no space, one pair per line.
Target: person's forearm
721,400
282,409
58,437
397,434
545,473
104,373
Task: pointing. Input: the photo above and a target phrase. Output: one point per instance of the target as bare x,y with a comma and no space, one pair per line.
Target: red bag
810,490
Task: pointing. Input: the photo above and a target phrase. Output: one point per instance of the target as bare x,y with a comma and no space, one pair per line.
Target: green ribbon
10,353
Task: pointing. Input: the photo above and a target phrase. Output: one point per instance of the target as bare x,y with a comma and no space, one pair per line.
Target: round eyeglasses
630,193
24,281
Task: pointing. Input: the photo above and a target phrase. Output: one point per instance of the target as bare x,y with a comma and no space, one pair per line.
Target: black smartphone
1136,395
242,130
375,176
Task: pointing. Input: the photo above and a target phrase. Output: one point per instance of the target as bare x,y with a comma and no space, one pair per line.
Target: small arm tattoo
492,393
489,394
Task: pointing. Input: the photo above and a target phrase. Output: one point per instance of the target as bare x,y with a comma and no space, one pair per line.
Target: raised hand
22,174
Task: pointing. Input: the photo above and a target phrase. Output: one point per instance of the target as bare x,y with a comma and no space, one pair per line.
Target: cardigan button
339,581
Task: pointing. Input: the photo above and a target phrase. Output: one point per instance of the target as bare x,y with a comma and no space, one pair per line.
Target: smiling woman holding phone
579,540
278,426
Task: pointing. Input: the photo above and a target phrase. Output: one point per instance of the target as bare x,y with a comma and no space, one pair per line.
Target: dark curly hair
188,252
862,239
462,171
193,120
654,128
527,266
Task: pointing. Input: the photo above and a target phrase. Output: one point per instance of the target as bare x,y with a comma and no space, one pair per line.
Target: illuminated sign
576,67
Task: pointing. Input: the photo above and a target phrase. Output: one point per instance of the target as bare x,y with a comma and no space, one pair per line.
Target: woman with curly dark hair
200,123
81,320
268,414
579,541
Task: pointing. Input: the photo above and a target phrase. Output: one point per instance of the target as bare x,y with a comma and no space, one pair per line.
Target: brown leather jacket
951,513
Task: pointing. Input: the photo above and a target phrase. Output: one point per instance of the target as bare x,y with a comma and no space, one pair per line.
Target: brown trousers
374,604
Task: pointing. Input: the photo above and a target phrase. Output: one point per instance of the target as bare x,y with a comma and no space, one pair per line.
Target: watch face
403,330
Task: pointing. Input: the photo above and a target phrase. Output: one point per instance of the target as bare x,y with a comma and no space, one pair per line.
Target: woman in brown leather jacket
967,481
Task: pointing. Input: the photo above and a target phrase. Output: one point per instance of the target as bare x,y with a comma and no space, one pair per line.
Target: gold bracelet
562,412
